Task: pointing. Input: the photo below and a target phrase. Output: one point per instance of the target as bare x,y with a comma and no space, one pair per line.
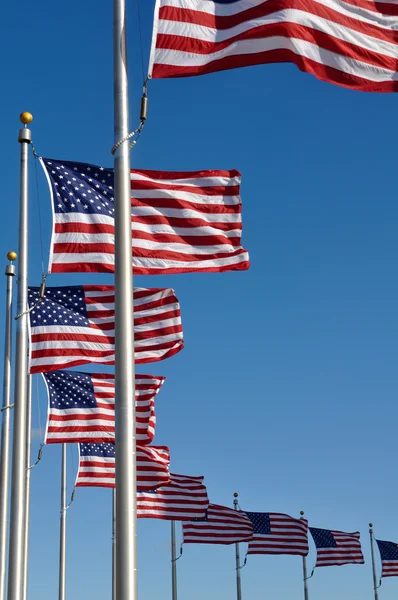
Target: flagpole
237,558
17,514
305,577
5,427
173,562
113,544
62,530
375,586
27,484
125,459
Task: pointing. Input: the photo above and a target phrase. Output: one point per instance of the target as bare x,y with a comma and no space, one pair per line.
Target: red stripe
77,227
206,190
87,267
322,72
215,209
184,174
181,222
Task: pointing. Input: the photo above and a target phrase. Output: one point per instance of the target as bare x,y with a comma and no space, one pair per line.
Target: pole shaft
27,485
62,530
173,562
5,434
113,544
305,578
125,463
376,591
237,560
17,515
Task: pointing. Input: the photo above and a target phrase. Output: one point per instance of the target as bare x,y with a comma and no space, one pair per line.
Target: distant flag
336,547
352,43
182,499
276,533
222,525
389,558
75,325
97,466
82,407
181,221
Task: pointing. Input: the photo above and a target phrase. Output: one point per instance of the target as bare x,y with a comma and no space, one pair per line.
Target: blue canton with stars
60,306
323,538
260,521
80,188
388,550
101,449
70,390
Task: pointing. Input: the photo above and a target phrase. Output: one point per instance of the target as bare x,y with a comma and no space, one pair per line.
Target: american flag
181,222
222,525
97,466
276,533
182,499
389,558
351,43
82,407
336,547
75,325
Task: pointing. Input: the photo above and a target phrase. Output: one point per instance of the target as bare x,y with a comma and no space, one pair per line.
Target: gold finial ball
301,512
26,118
12,255
370,524
236,494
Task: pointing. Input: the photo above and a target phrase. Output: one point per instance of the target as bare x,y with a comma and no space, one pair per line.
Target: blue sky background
286,389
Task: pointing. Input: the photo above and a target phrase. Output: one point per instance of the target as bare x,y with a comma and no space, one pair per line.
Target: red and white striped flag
352,43
276,533
97,466
182,499
181,221
82,407
336,547
75,325
222,525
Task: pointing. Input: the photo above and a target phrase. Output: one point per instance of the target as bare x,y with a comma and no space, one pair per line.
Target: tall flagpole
17,515
125,460
375,586
5,427
305,577
173,562
27,485
113,544
62,530
237,558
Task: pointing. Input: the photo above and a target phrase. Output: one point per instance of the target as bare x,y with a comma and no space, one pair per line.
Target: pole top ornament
26,118
236,494
370,524
11,255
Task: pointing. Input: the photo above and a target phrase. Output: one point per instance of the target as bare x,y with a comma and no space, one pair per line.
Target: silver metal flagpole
375,586
5,427
305,577
125,460
237,557
173,562
113,544
17,515
27,485
62,530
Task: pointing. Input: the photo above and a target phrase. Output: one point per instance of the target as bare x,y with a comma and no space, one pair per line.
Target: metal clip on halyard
42,292
137,132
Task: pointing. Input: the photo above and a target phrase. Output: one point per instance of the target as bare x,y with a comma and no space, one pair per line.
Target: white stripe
186,181
299,47
83,218
199,231
186,213
196,198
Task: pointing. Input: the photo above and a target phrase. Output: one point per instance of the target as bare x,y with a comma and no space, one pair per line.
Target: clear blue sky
287,389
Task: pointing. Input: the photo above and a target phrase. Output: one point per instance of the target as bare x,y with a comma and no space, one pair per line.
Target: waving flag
97,466
276,533
389,558
181,222
82,407
75,325
336,547
222,525
350,43
182,499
